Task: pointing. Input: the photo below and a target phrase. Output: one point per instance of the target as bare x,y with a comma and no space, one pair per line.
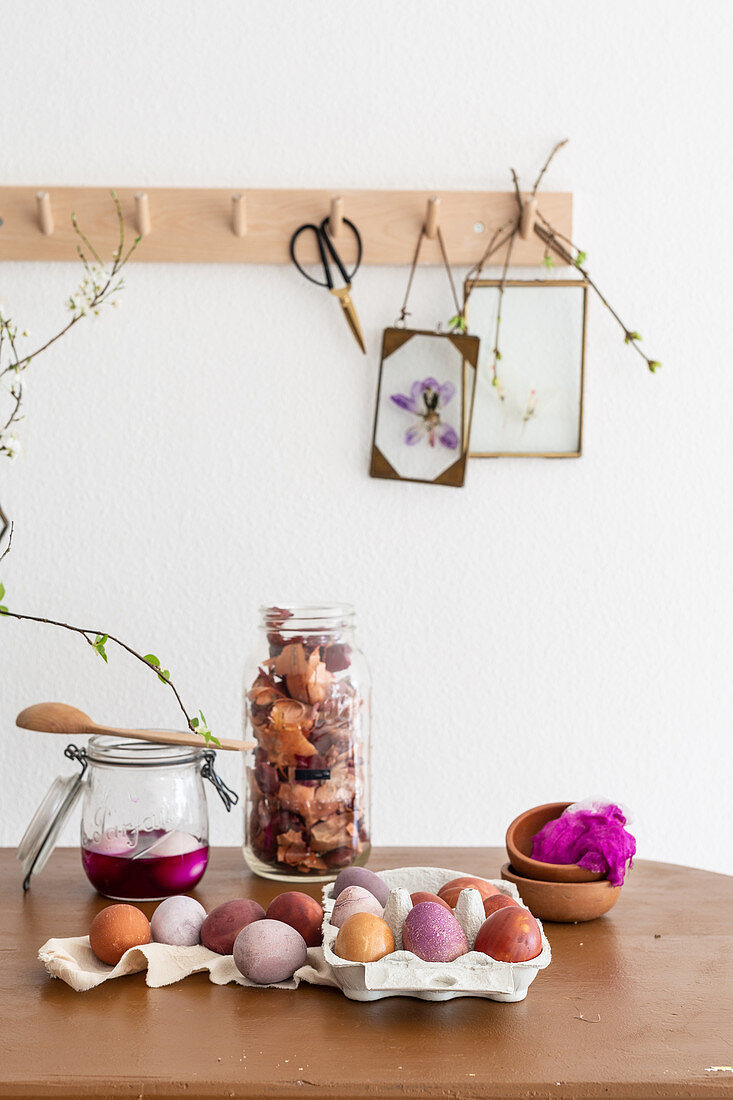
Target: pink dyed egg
432,933
354,899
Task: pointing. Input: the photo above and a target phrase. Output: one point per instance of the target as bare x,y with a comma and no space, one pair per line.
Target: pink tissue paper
591,834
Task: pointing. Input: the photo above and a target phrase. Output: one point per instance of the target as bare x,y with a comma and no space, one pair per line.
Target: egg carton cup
404,974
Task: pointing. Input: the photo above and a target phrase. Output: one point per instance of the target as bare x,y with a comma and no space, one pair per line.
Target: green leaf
498,356
3,610
548,262
654,365
632,336
580,258
101,639
164,675
101,651
152,660
2,591
194,723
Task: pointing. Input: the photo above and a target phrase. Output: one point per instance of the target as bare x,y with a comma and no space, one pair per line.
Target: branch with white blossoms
101,282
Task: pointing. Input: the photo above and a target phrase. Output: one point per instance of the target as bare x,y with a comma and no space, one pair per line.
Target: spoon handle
170,737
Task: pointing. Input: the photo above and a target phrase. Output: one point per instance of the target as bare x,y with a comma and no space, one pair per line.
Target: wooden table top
636,1004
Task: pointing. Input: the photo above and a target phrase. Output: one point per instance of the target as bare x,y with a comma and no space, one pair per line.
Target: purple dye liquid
164,864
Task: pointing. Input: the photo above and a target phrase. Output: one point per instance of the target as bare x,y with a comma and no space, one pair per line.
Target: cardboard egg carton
403,974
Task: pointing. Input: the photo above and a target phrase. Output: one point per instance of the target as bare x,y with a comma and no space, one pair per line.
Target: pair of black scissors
326,247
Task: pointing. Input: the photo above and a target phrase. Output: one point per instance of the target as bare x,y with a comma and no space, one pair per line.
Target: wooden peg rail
197,225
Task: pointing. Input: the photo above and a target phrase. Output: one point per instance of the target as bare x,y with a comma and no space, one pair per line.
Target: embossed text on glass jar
144,827
307,705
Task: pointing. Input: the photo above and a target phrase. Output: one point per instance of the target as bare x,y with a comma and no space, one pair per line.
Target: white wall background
554,629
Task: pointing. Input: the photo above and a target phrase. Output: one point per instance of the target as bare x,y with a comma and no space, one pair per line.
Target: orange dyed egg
452,889
115,930
511,934
364,938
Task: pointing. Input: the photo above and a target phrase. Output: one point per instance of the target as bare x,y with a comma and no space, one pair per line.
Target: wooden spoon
71,722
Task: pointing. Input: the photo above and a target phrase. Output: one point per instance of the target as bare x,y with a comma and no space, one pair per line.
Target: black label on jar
303,774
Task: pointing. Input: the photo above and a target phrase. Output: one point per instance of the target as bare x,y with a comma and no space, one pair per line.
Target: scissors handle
325,244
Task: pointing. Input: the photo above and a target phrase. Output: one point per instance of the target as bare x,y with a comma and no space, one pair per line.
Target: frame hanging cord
457,322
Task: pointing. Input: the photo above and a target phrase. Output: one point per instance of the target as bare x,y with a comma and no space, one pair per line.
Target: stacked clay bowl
560,892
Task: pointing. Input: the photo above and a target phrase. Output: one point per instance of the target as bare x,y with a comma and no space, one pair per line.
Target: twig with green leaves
101,282
98,640
555,244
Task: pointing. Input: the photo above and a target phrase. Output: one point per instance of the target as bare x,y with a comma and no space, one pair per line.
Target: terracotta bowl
565,902
519,848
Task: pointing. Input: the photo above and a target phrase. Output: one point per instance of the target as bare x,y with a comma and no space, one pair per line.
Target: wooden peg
239,215
528,216
431,216
142,214
45,213
336,217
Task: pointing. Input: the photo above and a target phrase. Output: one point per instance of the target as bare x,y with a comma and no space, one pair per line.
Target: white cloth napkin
73,961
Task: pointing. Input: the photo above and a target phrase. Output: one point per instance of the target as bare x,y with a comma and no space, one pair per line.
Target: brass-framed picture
424,403
528,401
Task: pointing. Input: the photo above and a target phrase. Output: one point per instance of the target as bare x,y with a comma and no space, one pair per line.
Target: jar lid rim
104,749
308,612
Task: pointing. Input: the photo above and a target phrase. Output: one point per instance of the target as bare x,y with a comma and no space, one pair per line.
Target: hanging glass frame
533,405
424,406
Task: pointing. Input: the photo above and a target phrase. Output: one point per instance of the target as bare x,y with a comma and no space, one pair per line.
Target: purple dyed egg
354,899
223,924
360,876
433,934
178,921
269,951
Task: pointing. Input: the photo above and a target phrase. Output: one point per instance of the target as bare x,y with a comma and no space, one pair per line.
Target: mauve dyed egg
360,876
354,899
301,912
364,938
177,921
115,930
422,895
433,933
268,951
223,924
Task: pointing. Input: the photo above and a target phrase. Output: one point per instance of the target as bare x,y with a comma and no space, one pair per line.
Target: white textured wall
553,630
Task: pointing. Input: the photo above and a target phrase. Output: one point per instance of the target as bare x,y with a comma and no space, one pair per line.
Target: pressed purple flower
425,400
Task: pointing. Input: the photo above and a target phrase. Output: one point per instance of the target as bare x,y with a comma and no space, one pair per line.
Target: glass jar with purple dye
307,708
144,825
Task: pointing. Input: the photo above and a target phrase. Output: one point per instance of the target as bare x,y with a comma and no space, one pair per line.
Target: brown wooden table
636,1004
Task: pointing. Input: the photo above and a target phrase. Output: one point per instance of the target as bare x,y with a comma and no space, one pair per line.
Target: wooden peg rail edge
204,225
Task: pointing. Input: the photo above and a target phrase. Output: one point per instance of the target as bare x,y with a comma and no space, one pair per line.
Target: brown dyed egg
497,901
301,912
115,930
364,938
511,934
452,889
423,895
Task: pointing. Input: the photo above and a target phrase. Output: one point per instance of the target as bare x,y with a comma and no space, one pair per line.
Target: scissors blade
342,293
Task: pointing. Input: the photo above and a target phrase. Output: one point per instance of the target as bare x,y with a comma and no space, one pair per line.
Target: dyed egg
422,895
268,951
433,933
511,934
178,921
223,924
115,930
364,938
497,901
360,876
354,899
301,912
452,889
